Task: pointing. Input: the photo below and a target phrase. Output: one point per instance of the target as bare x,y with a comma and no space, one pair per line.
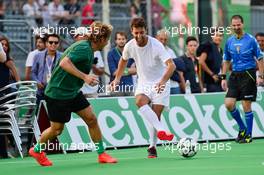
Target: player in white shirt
154,69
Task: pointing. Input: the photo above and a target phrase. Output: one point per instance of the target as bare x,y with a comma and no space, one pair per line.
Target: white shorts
149,90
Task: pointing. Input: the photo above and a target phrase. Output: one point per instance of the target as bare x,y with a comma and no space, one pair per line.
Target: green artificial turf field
246,159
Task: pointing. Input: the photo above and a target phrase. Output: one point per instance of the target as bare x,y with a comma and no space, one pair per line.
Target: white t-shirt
30,58
150,60
55,11
87,89
31,12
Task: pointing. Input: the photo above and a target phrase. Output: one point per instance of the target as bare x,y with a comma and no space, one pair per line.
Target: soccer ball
187,147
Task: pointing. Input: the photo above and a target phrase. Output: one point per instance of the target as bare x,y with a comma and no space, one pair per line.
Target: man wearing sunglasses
44,63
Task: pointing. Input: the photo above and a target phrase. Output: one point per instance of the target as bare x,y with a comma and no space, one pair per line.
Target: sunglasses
55,42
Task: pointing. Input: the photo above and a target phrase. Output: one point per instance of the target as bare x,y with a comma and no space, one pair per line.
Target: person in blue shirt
242,50
44,63
113,57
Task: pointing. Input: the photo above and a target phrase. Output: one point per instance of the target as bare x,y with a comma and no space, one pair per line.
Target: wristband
126,72
222,76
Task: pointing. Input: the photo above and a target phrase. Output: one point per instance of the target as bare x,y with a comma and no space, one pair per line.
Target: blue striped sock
236,115
249,122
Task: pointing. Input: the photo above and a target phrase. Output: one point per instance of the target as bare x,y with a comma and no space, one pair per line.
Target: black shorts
60,110
242,85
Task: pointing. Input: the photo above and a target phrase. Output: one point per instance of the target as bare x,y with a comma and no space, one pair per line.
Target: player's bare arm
226,66
119,72
260,80
131,71
168,73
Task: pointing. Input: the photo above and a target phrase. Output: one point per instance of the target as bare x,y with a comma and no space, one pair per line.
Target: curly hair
99,31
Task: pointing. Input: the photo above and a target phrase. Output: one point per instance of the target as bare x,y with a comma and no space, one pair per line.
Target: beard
238,31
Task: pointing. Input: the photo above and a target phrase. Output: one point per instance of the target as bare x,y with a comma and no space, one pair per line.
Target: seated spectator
15,6
32,11
113,57
41,3
2,13
88,12
46,16
56,11
44,63
140,7
179,18
73,8
40,46
134,11
158,12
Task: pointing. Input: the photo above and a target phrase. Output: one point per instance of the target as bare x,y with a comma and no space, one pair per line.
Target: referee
243,50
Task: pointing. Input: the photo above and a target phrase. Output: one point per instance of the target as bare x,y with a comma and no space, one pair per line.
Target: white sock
151,117
152,137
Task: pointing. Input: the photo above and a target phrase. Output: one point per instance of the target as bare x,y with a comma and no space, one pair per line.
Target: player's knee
57,130
247,108
140,102
229,106
92,121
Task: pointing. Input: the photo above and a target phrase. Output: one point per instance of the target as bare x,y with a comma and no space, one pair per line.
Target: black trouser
242,85
3,151
214,87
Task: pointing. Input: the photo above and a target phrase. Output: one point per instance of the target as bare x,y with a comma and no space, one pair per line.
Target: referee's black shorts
242,85
60,110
